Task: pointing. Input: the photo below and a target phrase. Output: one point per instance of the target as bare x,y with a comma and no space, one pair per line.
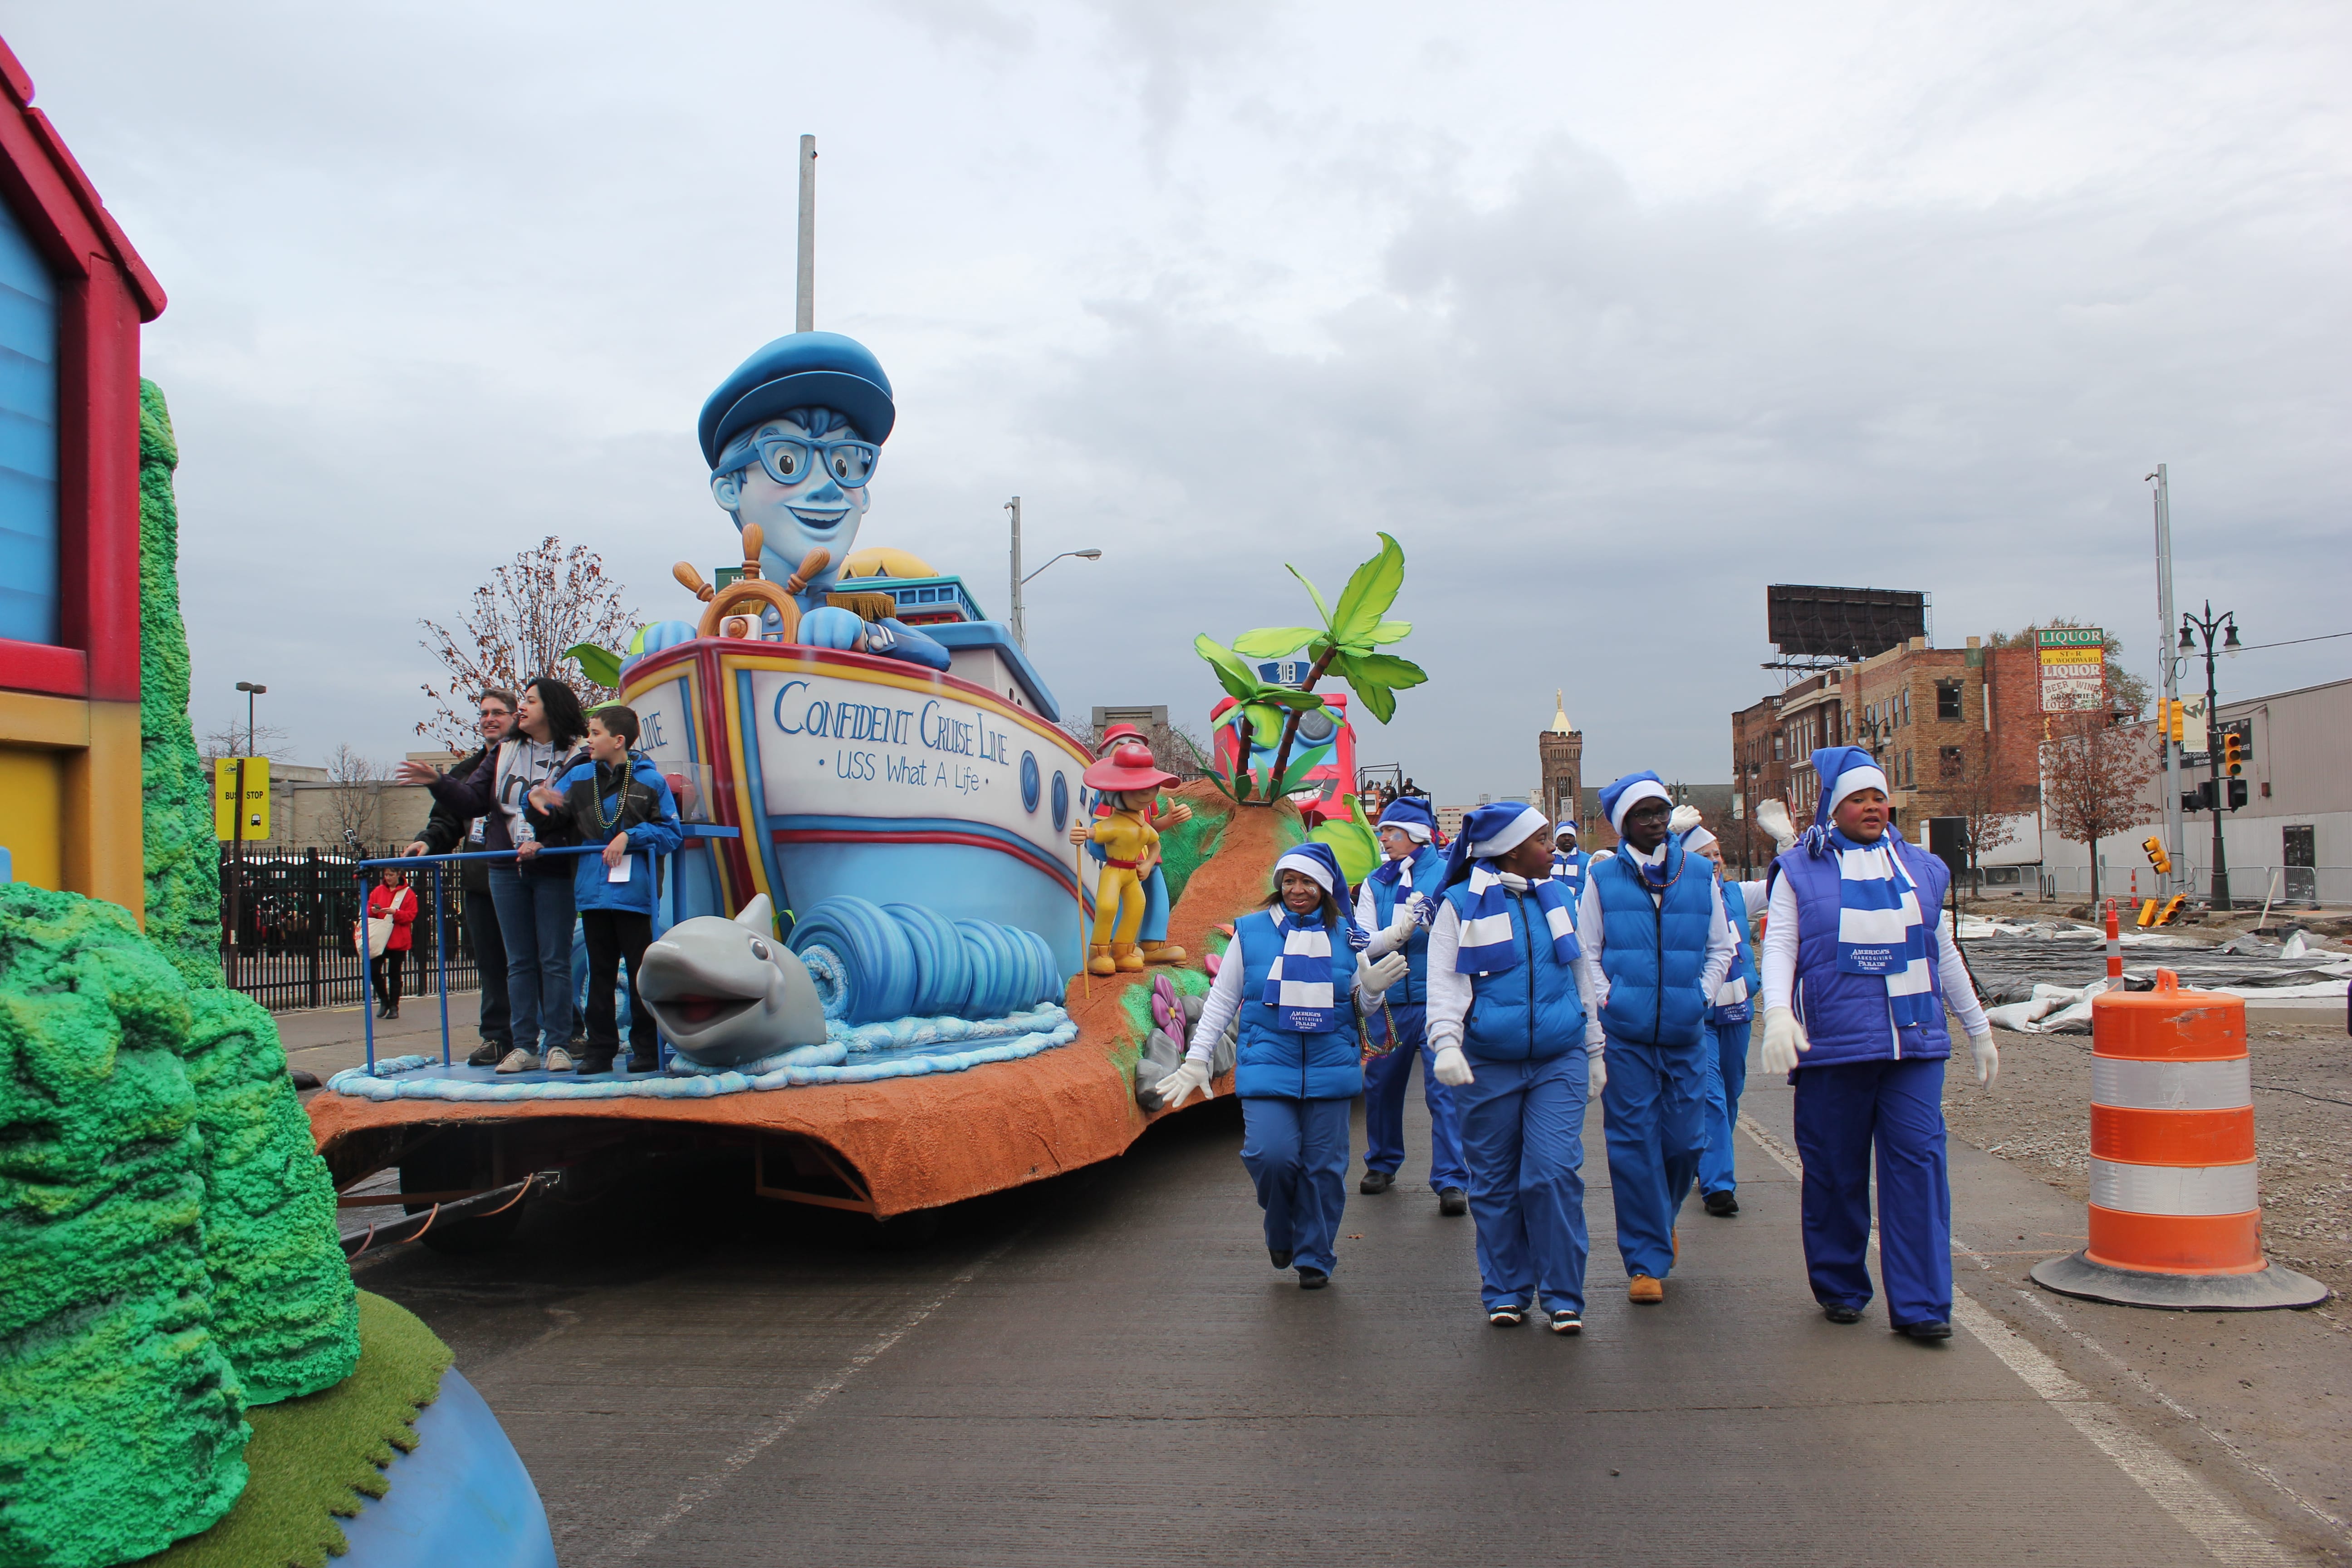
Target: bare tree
544,601
234,740
356,789
2096,774
1986,808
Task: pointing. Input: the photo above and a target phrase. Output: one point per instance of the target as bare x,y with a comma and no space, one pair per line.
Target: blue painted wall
28,439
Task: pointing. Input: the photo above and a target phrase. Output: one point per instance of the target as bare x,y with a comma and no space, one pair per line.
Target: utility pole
251,691
1020,625
2168,669
804,293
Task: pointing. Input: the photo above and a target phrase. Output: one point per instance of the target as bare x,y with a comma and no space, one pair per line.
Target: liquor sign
2073,667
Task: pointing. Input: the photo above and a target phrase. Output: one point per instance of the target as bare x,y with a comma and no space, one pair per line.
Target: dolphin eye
759,950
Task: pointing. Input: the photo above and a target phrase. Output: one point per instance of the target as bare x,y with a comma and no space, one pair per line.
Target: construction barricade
2176,1216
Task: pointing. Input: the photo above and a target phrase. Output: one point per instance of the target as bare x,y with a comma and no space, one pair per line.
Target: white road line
710,1485
2226,1533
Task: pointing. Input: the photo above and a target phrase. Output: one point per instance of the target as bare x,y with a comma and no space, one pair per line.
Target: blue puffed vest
1428,872
1743,962
1568,870
1530,1012
1845,1015
1655,953
1284,1064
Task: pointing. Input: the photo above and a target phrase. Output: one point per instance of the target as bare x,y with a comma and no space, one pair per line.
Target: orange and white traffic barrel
2176,1217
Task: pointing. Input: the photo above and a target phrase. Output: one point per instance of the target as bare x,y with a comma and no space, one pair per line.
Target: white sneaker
559,1060
1568,1322
519,1060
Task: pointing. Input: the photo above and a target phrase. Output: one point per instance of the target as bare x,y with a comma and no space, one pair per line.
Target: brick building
1959,732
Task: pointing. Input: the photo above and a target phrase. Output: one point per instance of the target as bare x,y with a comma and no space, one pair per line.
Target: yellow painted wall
32,813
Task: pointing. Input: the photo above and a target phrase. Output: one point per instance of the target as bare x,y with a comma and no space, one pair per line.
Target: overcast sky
1610,314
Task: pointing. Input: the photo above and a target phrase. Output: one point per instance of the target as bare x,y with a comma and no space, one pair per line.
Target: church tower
1560,750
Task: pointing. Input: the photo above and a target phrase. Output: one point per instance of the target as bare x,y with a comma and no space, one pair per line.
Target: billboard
2073,667
1807,620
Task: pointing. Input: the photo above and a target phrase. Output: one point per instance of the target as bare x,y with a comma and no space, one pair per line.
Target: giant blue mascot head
792,439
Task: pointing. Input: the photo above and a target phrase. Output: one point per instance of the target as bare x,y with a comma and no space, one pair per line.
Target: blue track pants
1296,1152
1715,1166
1384,1086
1655,1110
1523,1134
1841,1113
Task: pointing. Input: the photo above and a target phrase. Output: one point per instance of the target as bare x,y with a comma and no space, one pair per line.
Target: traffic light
2233,753
2156,854
2237,792
2177,721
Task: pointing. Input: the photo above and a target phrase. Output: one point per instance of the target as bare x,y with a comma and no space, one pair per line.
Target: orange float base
885,1148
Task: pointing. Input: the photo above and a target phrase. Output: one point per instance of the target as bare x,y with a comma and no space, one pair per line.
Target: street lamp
251,691
2193,626
1019,617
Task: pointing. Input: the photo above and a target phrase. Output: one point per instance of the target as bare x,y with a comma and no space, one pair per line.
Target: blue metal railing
366,869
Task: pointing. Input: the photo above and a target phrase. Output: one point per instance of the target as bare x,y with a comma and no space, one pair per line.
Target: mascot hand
1988,1057
654,638
829,626
1177,1087
1783,1040
1772,816
1452,1067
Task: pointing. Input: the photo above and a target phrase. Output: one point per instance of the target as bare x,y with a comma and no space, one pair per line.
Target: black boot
1313,1279
1722,1205
1281,1257
1932,1329
1376,1182
1452,1202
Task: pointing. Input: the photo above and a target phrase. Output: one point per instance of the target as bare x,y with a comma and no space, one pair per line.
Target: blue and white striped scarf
1298,980
1880,929
1485,946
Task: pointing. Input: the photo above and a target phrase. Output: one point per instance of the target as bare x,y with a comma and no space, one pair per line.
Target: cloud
1610,317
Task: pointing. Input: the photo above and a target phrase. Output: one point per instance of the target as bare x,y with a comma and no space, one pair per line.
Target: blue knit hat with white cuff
1489,831
1315,860
1843,770
1625,794
1408,814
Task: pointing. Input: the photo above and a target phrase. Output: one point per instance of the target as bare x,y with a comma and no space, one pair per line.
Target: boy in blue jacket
619,799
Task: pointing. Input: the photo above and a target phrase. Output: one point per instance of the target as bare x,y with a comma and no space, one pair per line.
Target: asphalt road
1104,1369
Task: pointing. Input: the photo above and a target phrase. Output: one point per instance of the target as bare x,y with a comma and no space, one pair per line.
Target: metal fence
287,930
2287,886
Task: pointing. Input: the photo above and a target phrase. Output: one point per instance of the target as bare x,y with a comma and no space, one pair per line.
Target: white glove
1772,816
1381,974
1988,1058
1177,1087
1400,925
1453,1069
1783,1040
1596,1066
1684,819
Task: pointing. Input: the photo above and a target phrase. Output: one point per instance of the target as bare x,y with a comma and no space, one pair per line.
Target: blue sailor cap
822,369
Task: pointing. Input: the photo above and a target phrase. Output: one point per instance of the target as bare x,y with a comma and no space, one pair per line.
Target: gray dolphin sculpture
726,991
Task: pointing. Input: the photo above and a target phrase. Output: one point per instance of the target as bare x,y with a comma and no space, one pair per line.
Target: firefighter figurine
1131,781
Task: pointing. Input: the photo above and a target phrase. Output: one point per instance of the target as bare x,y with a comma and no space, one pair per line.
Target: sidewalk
326,1041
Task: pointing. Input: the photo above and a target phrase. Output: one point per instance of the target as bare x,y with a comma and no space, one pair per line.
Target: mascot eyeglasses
788,459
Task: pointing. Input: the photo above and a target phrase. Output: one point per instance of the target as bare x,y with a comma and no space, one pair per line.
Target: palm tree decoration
1350,639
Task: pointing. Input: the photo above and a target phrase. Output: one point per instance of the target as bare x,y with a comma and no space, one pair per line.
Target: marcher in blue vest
1853,957
1511,1023
1654,922
1567,862
1292,979
1396,904
1728,1021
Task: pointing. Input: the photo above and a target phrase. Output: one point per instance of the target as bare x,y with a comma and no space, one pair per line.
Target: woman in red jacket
390,898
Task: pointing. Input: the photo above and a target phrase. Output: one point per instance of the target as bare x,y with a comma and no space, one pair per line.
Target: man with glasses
446,831
792,437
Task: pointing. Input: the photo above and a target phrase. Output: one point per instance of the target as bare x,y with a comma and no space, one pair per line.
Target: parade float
871,963
901,960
